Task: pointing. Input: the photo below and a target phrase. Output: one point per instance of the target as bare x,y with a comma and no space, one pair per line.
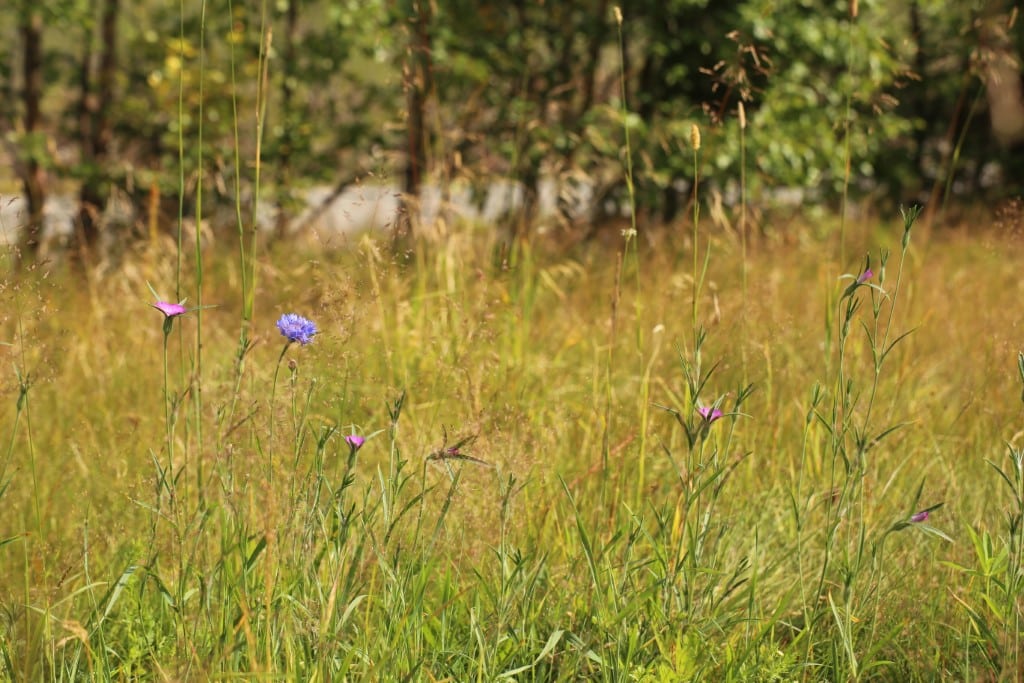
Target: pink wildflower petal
355,442
169,310
919,516
710,414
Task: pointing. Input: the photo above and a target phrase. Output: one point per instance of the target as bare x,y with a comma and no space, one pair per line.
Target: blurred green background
148,101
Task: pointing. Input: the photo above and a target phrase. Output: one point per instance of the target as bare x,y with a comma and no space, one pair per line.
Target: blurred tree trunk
288,122
1001,73
597,37
33,176
582,75
919,104
95,133
416,78
531,103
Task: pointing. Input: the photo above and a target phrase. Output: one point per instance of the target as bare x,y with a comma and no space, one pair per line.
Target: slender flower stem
695,139
168,427
273,393
743,234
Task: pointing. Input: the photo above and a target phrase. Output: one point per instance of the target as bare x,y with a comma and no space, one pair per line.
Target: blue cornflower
297,328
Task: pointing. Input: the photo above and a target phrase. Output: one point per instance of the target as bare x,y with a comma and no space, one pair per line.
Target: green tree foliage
884,97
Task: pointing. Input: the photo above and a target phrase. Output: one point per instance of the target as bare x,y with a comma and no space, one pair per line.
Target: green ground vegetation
209,520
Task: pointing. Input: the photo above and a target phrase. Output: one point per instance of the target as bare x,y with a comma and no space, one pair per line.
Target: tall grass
742,558
458,480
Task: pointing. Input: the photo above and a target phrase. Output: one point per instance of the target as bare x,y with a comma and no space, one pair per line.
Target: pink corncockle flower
355,442
865,276
170,310
709,414
919,516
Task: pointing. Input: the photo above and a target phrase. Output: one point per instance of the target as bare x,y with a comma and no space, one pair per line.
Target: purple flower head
710,414
169,310
296,328
919,516
355,442
865,276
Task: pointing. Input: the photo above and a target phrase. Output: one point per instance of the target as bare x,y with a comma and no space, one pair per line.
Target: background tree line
152,100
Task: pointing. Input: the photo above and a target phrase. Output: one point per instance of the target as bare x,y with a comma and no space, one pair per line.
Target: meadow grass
617,528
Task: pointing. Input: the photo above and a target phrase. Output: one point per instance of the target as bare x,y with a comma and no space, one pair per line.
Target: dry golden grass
520,356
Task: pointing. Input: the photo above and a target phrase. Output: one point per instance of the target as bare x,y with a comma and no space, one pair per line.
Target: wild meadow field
516,465
713,444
